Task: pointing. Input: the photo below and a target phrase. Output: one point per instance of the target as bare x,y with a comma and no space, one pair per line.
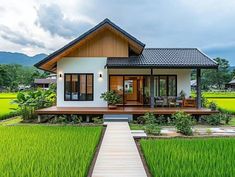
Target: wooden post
39,118
152,89
199,94
87,118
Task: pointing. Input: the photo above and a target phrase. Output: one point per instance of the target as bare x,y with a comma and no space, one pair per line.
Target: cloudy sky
42,26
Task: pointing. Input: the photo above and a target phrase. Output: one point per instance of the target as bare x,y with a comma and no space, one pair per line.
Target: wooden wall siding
104,44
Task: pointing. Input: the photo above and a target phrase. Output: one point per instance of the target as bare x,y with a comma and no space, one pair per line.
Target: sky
43,26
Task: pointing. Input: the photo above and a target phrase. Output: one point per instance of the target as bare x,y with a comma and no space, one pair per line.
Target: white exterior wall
183,76
93,65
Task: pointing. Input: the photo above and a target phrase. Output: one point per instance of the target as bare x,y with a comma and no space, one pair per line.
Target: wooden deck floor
121,110
118,155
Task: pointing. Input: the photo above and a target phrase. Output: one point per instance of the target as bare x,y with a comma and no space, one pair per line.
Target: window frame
78,76
167,84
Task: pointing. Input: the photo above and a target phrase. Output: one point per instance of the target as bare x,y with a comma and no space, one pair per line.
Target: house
108,58
45,82
230,85
193,84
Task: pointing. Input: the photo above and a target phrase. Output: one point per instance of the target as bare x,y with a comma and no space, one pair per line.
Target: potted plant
112,98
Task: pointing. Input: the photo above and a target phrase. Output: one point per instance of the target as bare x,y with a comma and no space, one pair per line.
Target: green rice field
226,104
190,157
5,103
49,151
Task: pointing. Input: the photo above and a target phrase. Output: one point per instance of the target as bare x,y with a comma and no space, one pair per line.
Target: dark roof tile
164,57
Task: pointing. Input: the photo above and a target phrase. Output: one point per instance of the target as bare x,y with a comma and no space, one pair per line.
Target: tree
217,78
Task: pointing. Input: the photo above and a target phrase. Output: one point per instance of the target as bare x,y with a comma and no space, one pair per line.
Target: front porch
122,110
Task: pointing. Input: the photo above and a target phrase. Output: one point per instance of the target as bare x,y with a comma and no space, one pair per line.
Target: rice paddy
190,157
50,151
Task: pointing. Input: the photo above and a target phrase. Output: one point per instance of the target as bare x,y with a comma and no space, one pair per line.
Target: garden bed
189,156
47,150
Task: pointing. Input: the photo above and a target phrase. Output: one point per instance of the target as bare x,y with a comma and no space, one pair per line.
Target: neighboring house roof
86,34
164,58
193,83
44,81
232,82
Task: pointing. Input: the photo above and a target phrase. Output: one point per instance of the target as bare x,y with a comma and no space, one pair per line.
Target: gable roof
86,34
232,82
164,58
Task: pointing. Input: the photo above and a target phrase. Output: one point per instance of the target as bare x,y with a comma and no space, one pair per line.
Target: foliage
111,97
190,157
152,129
97,120
12,75
216,78
213,119
213,106
75,119
30,101
226,117
47,150
182,94
147,118
183,123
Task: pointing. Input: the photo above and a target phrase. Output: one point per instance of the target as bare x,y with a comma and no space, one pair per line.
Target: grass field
5,103
190,157
47,150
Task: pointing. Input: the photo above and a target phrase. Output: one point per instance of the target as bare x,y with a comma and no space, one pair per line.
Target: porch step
138,134
117,117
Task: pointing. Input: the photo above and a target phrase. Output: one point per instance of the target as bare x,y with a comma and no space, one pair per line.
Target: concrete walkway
118,155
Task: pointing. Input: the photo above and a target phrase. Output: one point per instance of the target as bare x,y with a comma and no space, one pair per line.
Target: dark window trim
78,76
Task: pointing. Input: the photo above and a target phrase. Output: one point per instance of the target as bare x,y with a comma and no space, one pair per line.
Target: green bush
213,119
111,97
216,119
30,101
213,106
183,123
75,119
147,118
97,120
152,129
226,117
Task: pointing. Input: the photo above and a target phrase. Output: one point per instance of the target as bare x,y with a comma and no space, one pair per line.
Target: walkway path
118,155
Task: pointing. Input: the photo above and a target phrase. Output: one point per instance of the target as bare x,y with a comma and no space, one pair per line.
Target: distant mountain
19,58
231,68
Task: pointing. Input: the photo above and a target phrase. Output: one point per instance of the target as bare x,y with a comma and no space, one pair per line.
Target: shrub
30,101
153,129
226,118
161,120
111,97
75,119
213,106
97,120
213,119
183,123
147,118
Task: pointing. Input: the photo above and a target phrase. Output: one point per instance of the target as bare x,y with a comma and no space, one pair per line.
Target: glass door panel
116,84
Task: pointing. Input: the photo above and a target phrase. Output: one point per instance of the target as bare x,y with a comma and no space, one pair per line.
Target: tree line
13,75
216,78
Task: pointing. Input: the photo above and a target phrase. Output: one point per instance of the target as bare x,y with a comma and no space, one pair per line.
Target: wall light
100,75
60,75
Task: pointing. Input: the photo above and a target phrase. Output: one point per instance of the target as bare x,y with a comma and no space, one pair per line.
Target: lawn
190,157
47,150
5,103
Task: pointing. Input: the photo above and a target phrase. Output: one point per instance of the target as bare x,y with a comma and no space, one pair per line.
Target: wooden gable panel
104,44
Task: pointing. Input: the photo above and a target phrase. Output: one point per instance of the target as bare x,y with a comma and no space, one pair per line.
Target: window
78,87
165,85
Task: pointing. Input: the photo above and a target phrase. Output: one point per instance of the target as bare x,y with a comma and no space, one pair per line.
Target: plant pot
112,106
